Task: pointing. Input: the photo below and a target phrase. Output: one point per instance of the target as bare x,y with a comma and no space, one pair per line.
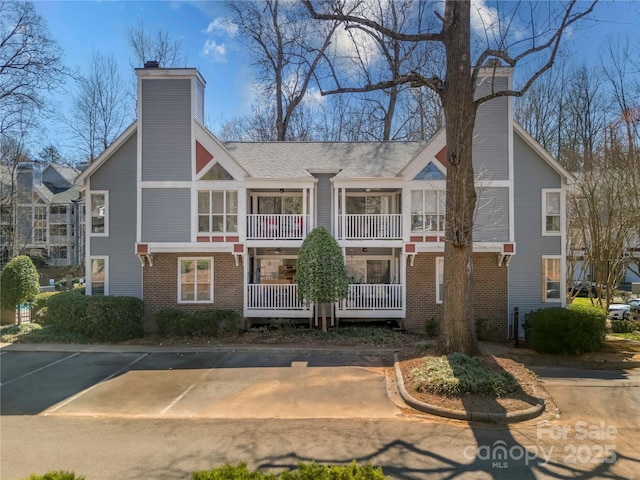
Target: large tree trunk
457,333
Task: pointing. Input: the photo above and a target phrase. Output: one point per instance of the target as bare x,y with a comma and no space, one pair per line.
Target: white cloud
214,51
221,24
484,19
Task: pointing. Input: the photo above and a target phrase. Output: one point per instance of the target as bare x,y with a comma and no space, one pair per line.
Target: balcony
277,299
370,226
277,227
373,300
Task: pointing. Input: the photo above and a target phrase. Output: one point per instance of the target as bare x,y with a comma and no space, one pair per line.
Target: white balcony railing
281,227
373,297
369,226
278,296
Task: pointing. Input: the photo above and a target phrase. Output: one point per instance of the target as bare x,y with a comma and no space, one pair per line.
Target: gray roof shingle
296,159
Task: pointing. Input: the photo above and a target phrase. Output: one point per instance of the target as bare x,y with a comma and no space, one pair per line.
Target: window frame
105,193
179,281
544,282
439,275
545,193
440,215
90,283
224,213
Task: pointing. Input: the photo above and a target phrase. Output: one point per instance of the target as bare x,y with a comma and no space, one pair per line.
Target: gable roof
298,159
542,153
104,156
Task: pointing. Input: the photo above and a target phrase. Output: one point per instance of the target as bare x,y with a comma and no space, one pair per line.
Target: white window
551,211
99,213
39,224
551,279
195,280
427,210
439,279
99,276
217,211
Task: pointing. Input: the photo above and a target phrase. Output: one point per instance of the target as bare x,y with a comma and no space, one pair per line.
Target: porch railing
370,226
277,296
373,297
282,227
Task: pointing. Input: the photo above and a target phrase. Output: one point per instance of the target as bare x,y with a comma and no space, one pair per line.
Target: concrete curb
510,417
231,348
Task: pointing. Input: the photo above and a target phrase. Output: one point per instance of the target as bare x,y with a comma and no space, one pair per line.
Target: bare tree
158,46
500,43
30,62
100,107
604,214
286,50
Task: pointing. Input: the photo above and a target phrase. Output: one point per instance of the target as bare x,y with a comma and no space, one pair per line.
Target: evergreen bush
566,331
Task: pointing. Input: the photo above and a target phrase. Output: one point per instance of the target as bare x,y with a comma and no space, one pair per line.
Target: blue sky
81,27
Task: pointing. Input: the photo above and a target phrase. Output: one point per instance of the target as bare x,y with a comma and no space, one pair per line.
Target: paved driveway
196,385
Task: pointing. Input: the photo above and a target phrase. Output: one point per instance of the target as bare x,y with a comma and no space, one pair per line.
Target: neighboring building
42,214
218,225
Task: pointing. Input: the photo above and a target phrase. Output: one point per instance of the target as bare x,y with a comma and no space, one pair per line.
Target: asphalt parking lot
196,385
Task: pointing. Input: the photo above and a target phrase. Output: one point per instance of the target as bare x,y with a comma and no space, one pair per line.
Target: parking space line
39,369
177,399
79,394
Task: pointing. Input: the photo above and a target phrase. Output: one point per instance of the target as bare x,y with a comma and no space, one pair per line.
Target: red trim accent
430,239
238,248
441,156
416,238
203,239
507,248
410,248
203,157
234,238
142,249
217,239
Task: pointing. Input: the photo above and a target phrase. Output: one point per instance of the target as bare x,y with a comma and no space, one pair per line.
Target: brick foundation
490,293
160,285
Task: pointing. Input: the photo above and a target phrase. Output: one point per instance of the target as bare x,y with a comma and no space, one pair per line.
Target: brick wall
160,285
490,293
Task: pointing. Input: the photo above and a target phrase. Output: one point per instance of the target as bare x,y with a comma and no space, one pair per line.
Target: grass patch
457,374
586,301
627,336
35,333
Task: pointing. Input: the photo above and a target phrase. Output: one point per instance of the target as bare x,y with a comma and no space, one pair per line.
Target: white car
618,311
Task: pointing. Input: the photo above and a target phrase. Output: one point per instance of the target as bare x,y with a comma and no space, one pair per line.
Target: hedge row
305,471
624,326
106,319
205,322
567,331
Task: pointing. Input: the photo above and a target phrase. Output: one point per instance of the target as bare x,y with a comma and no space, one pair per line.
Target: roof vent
151,64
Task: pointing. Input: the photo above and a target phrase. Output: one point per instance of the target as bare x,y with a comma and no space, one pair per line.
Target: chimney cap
151,64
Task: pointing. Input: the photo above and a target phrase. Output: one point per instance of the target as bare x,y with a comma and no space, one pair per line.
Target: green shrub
566,331
114,319
19,282
458,374
624,326
432,328
39,310
231,472
483,330
308,471
61,285
68,312
57,475
169,321
203,322
353,471
106,319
